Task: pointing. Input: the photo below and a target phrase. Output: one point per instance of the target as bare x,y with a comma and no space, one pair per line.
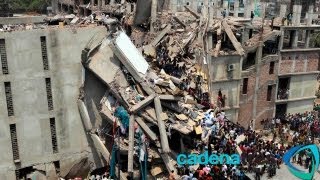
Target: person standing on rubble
272,22
289,18
224,13
252,16
283,21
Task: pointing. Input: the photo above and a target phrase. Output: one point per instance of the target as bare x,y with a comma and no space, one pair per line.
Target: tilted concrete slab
130,56
104,64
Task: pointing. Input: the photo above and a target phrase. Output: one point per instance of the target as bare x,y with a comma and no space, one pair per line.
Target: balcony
283,88
283,94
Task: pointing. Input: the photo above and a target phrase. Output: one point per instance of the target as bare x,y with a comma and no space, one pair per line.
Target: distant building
85,7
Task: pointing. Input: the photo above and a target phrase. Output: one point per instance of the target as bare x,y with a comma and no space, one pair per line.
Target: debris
142,104
162,129
129,55
146,129
156,170
131,144
232,38
191,12
181,117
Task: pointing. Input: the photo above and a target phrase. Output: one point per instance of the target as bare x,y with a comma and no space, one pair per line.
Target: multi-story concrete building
85,7
40,76
279,73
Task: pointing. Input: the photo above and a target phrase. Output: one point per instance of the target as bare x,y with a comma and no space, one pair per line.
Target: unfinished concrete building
86,7
272,73
40,76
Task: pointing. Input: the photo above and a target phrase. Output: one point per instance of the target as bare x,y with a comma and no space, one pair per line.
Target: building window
44,52
269,93
17,172
7,89
57,166
3,56
271,68
245,86
53,135
49,94
14,142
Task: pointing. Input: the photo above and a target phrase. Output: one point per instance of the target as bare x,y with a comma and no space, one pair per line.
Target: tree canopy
29,5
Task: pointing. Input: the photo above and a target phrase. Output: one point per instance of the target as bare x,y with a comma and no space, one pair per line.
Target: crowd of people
303,126
176,67
258,156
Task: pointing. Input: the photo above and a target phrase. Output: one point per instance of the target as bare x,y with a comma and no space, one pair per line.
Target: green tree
315,39
29,5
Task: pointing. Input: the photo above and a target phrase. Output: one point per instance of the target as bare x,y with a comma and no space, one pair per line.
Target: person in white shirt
232,132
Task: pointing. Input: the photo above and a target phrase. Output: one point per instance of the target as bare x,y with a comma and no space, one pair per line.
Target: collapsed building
81,80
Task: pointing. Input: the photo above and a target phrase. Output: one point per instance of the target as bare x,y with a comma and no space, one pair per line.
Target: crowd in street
258,156
304,127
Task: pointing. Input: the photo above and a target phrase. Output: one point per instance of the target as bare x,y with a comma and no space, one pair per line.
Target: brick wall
264,108
298,62
313,62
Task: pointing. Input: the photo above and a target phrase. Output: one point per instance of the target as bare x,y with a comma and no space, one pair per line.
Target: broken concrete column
105,153
170,98
236,8
216,12
131,145
146,129
296,14
245,35
154,7
84,116
162,128
99,4
196,15
103,3
283,11
263,11
248,8
281,38
211,10
296,22
205,8
309,15
232,38
169,164
92,3
307,39
54,4
142,104
256,90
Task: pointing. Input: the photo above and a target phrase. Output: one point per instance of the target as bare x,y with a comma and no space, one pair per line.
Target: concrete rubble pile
157,91
149,96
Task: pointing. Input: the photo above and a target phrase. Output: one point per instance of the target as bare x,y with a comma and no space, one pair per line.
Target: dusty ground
283,173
